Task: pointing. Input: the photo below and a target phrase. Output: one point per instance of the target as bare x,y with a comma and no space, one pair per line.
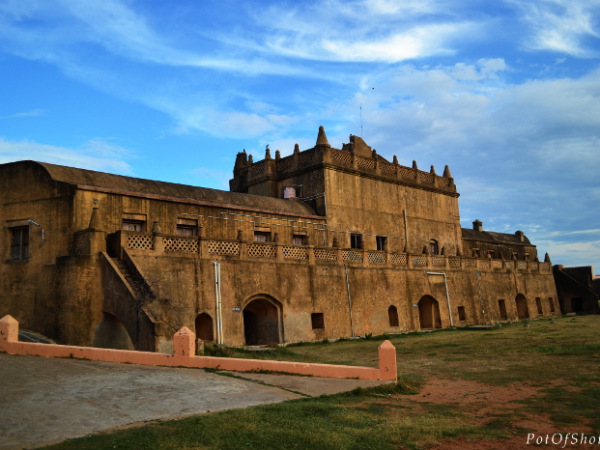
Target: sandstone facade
322,244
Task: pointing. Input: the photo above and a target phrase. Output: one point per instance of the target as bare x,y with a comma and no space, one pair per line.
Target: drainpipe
405,229
349,300
447,294
219,317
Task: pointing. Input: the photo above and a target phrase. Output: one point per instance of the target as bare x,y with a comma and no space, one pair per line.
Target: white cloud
562,25
31,113
581,253
415,42
524,156
363,31
406,7
96,154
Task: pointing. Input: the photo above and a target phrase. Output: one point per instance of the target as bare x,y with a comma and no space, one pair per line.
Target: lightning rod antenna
361,122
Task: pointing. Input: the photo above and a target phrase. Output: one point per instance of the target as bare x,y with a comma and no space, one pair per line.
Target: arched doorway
393,316
429,313
262,323
522,310
111,333
204,327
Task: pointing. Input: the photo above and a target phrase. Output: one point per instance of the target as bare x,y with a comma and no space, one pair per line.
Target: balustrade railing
179,245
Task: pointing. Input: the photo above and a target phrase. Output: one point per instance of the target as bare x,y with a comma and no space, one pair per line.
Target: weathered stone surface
364,246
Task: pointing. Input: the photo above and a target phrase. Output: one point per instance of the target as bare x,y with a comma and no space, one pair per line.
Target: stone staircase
133,281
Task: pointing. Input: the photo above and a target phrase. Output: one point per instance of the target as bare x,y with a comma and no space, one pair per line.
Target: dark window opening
19,243
551,304
491,254
381,243
462,315
299,239
187,227
476,253
502,307
393,316
538,303
133,225
317,320
187,230
262,236
434,248
356,240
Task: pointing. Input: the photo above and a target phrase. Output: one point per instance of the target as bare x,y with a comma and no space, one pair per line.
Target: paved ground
44,401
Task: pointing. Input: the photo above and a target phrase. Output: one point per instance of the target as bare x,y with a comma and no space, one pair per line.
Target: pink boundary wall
184,348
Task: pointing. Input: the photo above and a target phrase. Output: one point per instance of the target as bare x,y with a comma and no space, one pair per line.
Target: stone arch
522,309
263,324
204,327
111,333
429,313
393,316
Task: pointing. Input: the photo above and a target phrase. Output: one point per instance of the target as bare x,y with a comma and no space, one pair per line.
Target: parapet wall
184,348
341,160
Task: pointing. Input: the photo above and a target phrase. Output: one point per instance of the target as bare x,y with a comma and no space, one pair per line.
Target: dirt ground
484,403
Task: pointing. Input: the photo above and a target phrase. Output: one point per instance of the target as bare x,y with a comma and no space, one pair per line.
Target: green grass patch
560,358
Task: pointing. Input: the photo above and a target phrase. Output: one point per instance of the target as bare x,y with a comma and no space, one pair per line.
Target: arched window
393,316
434,248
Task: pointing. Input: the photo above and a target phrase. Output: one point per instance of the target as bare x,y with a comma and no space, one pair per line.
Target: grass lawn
467,389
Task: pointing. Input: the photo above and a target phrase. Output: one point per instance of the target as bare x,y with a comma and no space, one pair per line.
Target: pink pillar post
184,343
387,362
9,331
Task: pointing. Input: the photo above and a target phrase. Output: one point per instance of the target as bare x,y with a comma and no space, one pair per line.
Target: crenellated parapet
355,157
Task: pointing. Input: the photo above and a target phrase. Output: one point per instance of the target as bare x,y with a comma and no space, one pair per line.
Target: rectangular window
187,227
299,239
356,240
551,304
19,243
502,307
462,316
133,225
317,320
381,243
262,236
538,302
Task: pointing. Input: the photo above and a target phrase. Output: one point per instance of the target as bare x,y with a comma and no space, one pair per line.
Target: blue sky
507,93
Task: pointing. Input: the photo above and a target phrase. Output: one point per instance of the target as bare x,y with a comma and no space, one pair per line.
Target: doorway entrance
522,310
204,327
262,322
429,313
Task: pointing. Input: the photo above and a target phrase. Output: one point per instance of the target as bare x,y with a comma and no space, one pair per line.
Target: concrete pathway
44,401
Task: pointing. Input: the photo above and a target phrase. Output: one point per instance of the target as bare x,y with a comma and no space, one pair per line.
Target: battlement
355,157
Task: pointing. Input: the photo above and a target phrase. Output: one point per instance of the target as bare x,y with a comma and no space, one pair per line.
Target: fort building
325,243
